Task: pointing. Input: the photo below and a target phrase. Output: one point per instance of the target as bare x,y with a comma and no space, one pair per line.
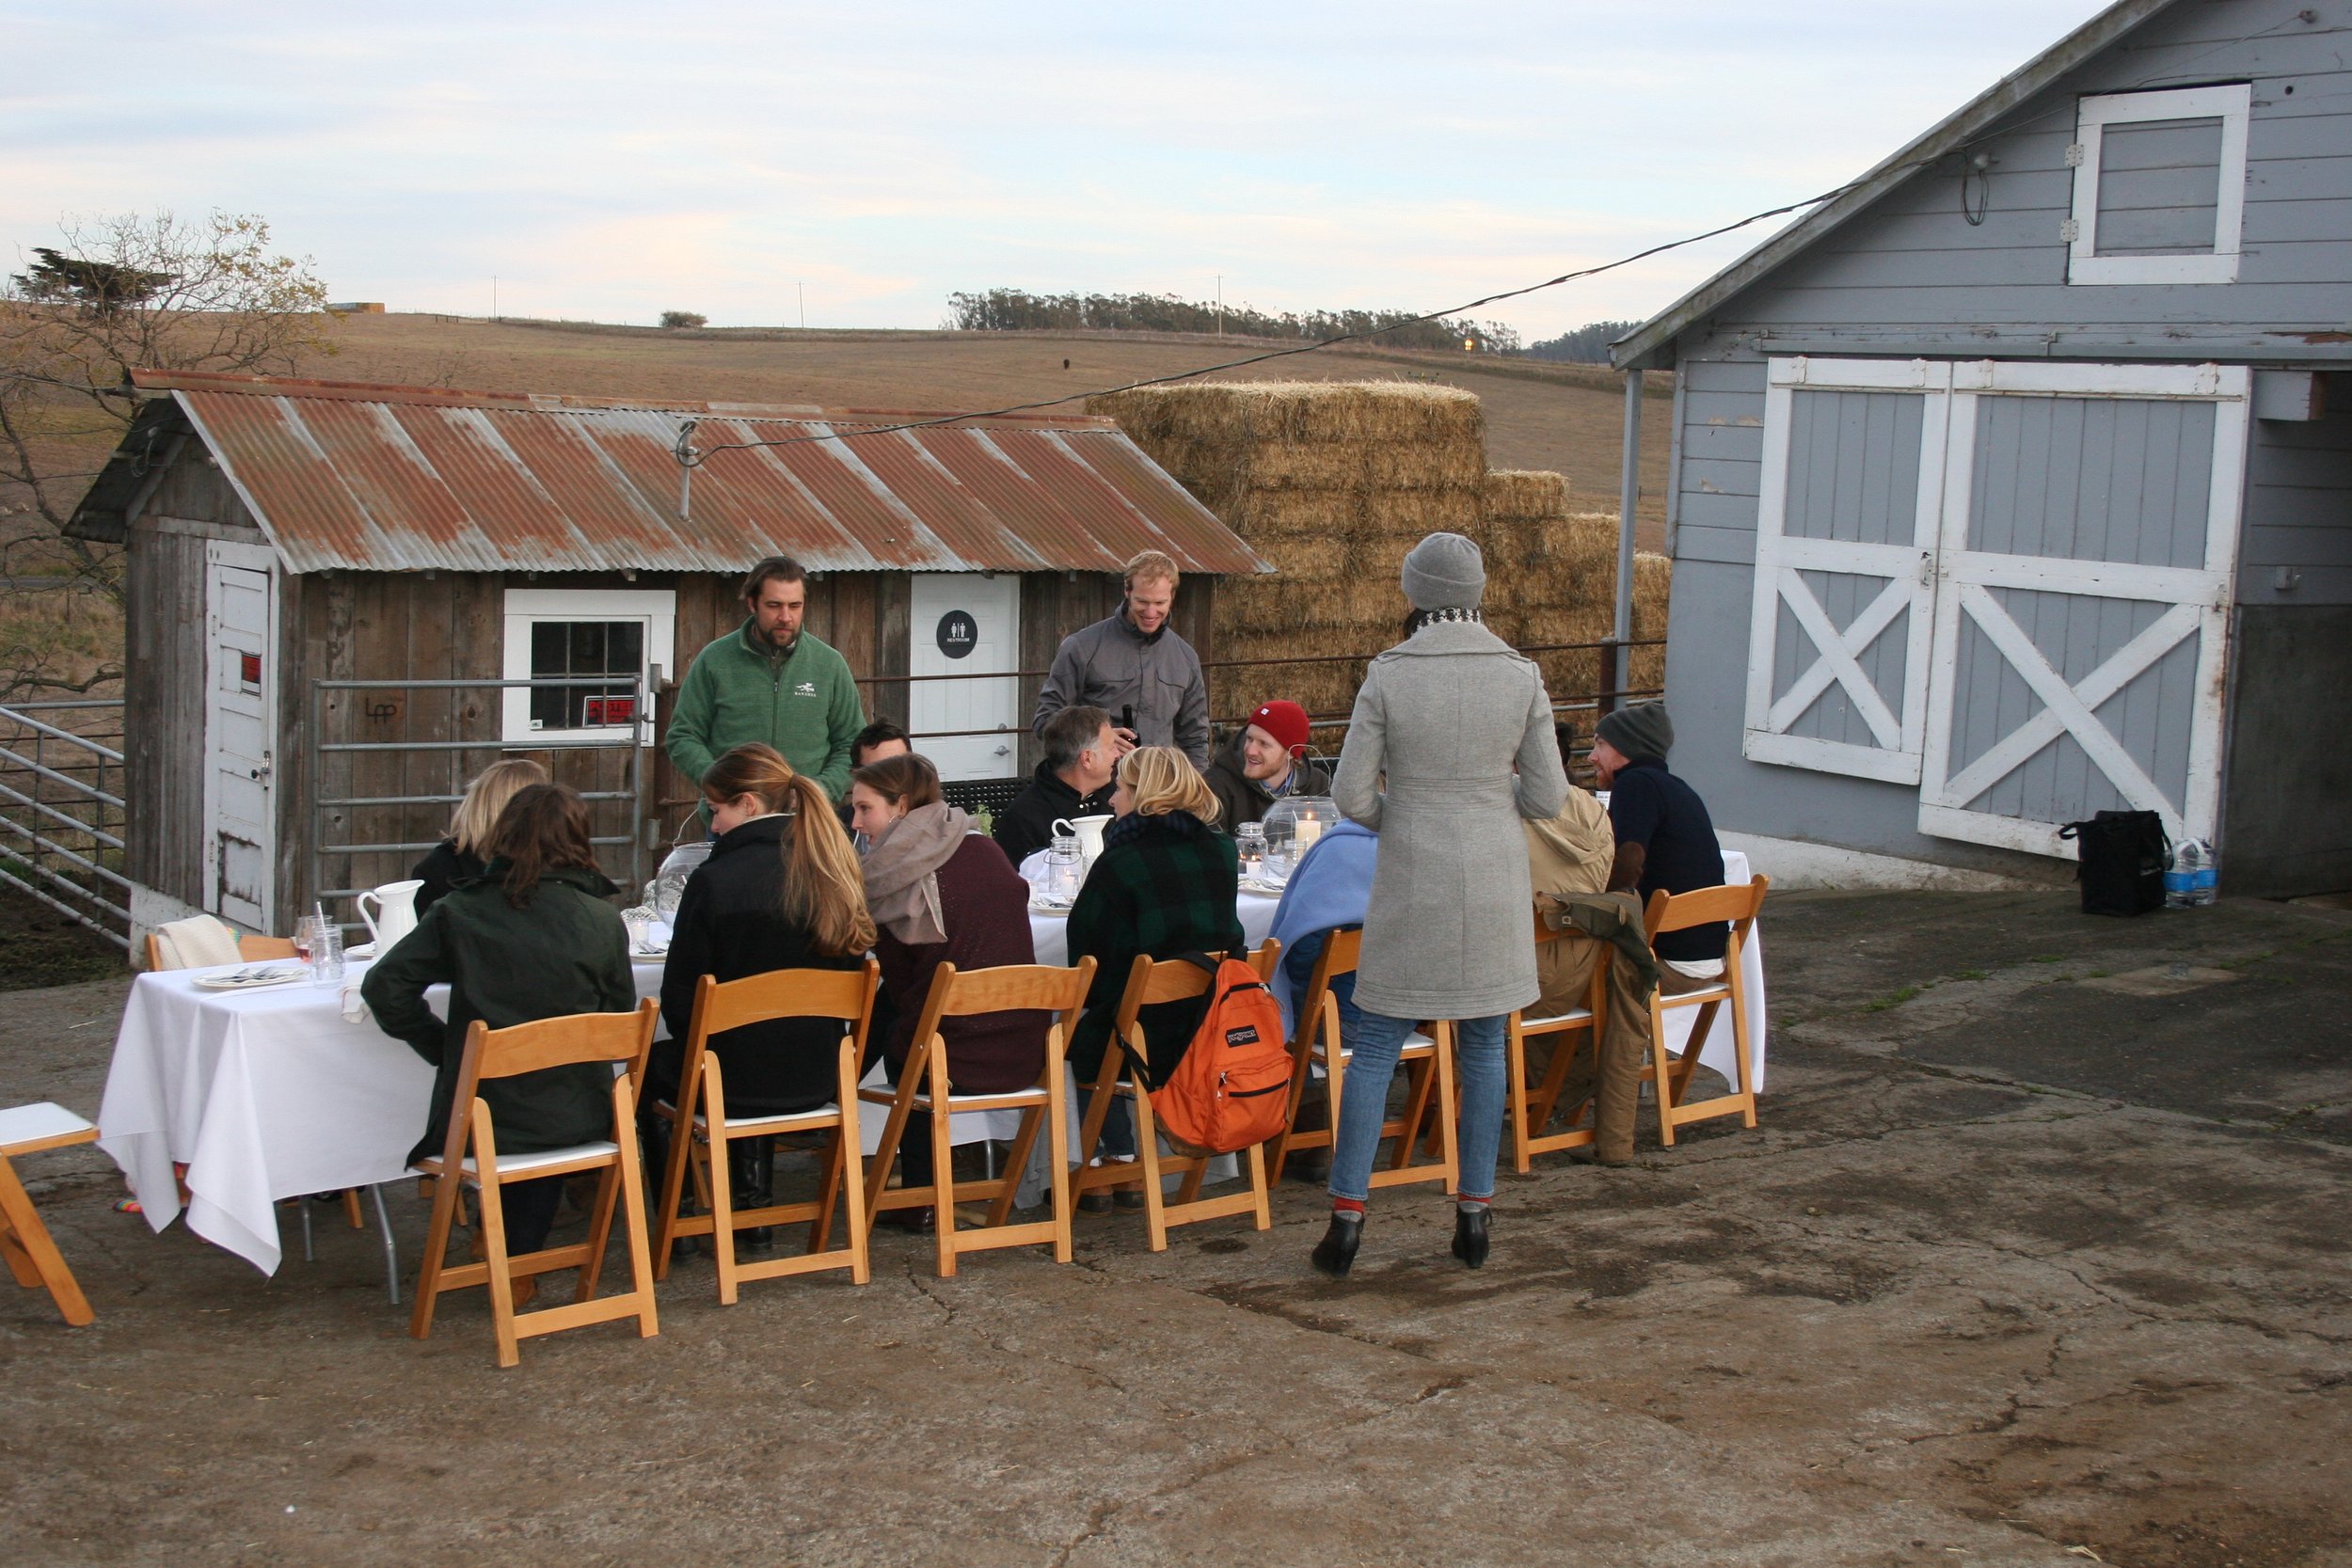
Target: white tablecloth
1717,1052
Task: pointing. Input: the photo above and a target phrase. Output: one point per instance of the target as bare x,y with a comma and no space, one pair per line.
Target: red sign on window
249,669
610,710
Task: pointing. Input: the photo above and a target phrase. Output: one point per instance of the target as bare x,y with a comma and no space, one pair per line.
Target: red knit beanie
1286,722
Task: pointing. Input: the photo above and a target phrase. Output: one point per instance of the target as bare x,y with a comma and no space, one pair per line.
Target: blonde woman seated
781,890
1164,884
465,854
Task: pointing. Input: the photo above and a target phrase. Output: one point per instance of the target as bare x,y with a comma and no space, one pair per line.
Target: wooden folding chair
622,1040
250,949
701,1126
1670,1073
924,1086
32,1256
1149,984
1578,1029
1428,1059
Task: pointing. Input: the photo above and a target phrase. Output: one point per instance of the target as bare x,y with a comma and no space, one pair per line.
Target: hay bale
1250,413
1525,493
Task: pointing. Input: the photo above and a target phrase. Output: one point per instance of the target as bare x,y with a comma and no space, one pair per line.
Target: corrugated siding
410,481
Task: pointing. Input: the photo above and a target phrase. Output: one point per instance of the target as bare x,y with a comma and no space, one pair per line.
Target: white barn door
240,727
1849,513
2090,521
962,622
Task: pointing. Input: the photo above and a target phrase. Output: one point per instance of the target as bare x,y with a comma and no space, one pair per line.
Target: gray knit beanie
1444,572
1640,730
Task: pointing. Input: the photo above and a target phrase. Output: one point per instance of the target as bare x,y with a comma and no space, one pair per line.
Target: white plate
1059,911
1264,889
637,951
365,950
253,976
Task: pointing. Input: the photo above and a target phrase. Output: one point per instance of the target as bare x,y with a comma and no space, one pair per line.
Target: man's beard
775,640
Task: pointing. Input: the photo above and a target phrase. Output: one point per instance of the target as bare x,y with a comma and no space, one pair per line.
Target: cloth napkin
196,942
355,1010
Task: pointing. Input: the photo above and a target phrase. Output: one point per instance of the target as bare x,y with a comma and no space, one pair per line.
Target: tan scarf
902,872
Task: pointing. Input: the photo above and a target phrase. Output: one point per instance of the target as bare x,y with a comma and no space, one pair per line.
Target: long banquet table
270,1094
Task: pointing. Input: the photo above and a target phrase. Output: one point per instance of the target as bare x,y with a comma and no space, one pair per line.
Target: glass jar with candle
1249,840
1292,827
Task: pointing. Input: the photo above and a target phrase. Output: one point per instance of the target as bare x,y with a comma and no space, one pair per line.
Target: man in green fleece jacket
769,680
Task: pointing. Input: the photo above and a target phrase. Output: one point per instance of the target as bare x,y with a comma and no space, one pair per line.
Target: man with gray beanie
1666,840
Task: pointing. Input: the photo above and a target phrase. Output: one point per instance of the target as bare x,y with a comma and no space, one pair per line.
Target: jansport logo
807,688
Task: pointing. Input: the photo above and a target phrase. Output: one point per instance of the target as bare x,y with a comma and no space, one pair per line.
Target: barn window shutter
1849,512
2159,186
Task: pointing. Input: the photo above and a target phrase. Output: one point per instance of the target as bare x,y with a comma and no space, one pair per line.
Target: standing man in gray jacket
1133,667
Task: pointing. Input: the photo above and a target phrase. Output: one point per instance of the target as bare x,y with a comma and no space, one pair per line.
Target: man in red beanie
1262,764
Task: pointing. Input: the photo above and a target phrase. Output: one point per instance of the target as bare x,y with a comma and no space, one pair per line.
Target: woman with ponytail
781,890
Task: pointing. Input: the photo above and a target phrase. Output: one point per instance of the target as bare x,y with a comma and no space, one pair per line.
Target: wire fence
63,818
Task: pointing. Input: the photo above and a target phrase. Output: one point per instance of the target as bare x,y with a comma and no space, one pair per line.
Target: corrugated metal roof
405,478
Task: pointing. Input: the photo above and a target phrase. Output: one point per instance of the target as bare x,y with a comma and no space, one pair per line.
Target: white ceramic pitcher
1089,832
395,912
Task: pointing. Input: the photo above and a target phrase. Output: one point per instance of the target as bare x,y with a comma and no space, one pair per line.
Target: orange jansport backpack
1232,1087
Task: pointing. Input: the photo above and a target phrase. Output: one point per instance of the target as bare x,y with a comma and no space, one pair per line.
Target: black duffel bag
2119,860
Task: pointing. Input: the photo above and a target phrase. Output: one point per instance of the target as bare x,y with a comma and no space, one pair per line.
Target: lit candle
1305,832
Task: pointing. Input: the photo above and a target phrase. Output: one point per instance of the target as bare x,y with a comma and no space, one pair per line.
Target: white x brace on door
2090,523
2007,583
1848,515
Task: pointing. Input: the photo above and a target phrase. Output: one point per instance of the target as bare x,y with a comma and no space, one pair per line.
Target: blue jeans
1364,1103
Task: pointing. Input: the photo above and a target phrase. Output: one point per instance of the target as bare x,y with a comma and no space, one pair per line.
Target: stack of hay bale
1333,482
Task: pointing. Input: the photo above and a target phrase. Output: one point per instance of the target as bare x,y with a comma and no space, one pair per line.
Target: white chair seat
1719,992
512,1165
26,1128
1413,1045
824,1116
1574,1015
1008,1099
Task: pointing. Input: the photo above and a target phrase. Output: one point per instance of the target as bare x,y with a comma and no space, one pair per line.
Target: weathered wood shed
2011,484
324,579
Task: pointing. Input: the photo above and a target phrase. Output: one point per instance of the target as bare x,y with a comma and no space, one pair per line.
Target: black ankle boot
1336,1253
751,1172
1470,1236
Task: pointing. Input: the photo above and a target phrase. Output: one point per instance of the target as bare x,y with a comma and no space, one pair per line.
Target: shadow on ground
2038,1254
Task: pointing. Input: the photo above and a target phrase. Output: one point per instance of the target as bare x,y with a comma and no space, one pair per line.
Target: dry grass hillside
1566,419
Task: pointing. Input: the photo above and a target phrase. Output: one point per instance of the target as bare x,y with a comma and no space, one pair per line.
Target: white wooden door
2090,521
967,625
240,727
1849,510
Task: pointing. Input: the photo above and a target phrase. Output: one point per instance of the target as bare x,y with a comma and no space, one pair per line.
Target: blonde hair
824,888
473,824
1162,779
1151,566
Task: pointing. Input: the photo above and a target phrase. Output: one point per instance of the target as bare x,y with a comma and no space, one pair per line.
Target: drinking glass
326,953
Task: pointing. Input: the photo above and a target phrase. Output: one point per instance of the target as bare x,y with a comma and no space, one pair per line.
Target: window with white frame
602,644
2159,186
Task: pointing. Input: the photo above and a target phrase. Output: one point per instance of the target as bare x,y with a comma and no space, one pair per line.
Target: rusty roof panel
405,478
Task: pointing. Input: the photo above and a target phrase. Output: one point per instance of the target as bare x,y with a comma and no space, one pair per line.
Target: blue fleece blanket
1331,887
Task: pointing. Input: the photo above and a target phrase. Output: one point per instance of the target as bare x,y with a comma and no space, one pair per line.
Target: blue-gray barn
2012,484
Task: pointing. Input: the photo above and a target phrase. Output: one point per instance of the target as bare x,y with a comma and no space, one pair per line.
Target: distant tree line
1586,345
1018,310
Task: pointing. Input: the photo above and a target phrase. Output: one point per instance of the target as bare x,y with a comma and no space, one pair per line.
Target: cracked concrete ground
2020,1268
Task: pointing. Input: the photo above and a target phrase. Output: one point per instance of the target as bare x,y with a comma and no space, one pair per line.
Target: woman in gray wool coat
1450,749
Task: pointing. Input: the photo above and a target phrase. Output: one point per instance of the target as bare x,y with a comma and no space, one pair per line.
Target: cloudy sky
608,162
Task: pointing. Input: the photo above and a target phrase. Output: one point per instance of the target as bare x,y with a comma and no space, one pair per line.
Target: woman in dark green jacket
1164,884
532,938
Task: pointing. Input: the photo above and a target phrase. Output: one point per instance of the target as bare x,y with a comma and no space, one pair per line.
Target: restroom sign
959,634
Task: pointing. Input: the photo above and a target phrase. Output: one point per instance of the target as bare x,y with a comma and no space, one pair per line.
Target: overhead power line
691,456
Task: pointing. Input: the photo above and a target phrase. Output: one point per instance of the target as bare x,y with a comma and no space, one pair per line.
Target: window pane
587,647
547,647
547,707
626,647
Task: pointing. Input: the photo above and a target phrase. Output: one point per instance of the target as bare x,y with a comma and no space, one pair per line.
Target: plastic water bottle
2180,877
2205,885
